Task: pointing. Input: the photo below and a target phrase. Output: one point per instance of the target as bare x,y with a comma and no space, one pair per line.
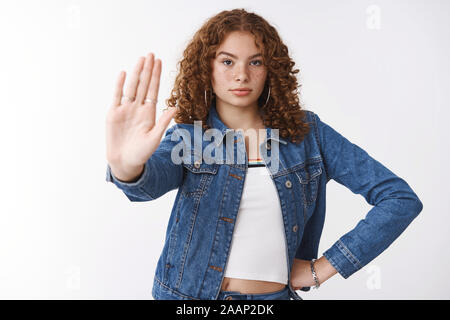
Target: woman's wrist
314,275
301,275
324,269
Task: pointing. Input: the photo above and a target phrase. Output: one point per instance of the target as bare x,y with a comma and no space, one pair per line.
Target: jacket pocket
198,177
309,176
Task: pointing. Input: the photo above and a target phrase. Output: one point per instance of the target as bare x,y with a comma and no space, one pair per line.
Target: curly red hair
282,111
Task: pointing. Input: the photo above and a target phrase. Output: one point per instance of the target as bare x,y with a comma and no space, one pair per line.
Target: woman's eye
227,64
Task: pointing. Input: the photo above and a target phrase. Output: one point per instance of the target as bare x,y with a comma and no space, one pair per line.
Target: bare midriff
250,286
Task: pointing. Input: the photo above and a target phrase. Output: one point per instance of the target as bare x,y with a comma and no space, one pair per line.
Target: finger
155,80
145,78
118,91
132,85
164,120
153,88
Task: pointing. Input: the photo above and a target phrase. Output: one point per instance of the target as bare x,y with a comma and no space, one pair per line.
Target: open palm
132,134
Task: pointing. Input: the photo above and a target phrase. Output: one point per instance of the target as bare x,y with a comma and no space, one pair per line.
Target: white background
376,71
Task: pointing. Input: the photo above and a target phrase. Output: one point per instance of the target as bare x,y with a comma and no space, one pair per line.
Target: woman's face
238,64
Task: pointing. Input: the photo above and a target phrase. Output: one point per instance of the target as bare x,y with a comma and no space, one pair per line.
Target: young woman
245,229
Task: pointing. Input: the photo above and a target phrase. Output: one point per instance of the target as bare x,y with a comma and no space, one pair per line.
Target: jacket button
229,298
288,184
295,228
197,164
268,145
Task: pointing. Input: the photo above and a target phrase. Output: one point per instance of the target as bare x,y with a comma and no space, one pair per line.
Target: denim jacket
200,227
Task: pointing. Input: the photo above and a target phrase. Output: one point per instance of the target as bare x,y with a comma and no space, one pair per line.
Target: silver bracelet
316,280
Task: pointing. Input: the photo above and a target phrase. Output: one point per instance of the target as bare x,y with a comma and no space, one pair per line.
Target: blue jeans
283,294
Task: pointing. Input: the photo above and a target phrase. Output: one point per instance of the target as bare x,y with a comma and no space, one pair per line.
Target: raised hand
132,134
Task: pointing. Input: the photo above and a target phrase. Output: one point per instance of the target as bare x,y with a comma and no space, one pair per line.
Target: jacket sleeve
160,174
395,205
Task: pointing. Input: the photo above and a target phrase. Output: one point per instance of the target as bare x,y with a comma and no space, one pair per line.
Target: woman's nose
241,74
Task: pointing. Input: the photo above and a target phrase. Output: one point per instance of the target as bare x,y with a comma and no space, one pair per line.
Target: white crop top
258,247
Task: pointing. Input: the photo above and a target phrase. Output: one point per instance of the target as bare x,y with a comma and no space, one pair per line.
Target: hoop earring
268,95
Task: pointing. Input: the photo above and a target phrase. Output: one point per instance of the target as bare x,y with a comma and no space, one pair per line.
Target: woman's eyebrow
232,55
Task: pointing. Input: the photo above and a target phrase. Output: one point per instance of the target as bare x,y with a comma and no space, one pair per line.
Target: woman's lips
241,93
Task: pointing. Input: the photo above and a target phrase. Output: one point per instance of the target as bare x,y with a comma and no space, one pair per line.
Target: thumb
164,120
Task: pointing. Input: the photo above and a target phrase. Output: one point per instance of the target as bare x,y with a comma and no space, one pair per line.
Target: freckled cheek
226,75
217,78
260,78
222,78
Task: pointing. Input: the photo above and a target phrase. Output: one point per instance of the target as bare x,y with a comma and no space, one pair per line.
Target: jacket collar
215,122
